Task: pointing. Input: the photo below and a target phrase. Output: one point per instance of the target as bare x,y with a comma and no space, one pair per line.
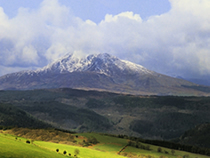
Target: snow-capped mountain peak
98,72
100,63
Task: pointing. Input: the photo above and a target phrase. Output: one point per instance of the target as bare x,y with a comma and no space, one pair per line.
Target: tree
92,140
28,141
166,152
159,149
64,152
57,150
76,152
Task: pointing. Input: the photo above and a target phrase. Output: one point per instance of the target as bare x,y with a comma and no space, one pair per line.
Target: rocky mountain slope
100,72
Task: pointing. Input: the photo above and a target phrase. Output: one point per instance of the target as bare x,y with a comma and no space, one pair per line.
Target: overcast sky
168,36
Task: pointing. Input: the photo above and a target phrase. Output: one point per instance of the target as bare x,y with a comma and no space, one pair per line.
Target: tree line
136,142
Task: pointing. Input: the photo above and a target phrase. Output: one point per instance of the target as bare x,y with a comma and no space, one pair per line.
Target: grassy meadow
84,152
12,146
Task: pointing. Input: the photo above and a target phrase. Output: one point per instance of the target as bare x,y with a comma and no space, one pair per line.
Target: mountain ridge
99,63
99,72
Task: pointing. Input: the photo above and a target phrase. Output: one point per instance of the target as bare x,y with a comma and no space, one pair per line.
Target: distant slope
100,72
156,117
198,136
67,116
15,117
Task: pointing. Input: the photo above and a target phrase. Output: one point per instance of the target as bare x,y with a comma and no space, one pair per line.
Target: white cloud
29,55
3,23
124,15
177,42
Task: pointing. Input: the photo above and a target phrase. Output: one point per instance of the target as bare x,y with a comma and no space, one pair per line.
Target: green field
108,147
12,148
107,143
84,152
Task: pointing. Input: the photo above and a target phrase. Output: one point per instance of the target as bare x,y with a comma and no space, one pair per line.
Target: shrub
76,152
92,140
28,141
125,154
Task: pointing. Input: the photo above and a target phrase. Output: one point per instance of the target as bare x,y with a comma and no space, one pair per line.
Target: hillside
198,136
10,147
32,143
15,117
101,72
154,117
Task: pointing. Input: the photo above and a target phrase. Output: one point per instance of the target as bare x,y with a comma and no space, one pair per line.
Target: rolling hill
154,117
198,136
11,116
29,143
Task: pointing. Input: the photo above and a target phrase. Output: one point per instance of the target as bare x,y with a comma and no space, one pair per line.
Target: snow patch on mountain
136,67
100,63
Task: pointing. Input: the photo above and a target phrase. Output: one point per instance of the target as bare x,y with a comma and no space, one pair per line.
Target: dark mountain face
11,116
100,72
198,136
152,117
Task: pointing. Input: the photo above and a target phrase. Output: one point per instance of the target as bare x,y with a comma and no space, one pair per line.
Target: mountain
100,72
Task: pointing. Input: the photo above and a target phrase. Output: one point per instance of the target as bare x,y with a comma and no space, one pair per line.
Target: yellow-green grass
12,148
84,152
106,143
107,148
113,144
178,152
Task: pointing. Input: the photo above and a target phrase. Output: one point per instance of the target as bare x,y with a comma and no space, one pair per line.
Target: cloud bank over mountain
174,43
